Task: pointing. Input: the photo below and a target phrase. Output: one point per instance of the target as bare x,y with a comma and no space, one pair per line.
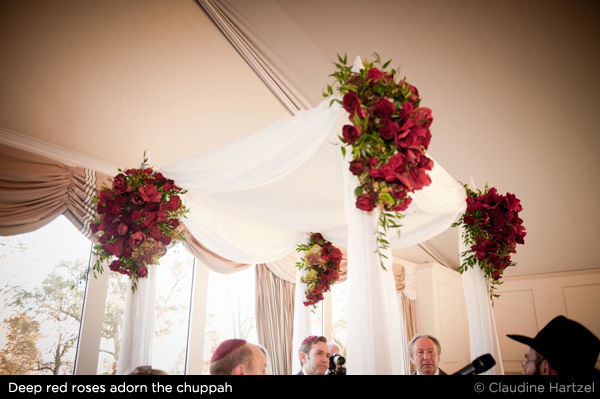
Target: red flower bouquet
388,135
322,260
137,220
492,230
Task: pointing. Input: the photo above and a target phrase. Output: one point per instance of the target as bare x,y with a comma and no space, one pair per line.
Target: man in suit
237,357
314,356
425,351
562,347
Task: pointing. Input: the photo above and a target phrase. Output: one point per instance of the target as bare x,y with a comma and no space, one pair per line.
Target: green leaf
343,151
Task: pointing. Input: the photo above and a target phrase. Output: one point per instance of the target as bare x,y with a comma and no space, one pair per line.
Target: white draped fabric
482,327
138,324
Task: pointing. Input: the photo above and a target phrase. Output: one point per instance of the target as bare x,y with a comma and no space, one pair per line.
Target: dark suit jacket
441,372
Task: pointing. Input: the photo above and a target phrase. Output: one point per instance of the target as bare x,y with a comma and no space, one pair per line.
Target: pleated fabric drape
275,318
34,190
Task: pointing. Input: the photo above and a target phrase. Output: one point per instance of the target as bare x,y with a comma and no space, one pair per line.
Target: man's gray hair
419,336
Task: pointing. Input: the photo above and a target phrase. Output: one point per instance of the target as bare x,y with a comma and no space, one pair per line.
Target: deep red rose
149,215
356,166
365,202
136,215
373,76
388,172
406,111
115,265
119,181
120,200
174,203
414,96
166,240
94,227
495,259
384,108
425,163
423,116
161,217
469,220
351,133
512,203
520,238
351,103
373,161
388,129
403,205
115,209
174,223
159,177
141,271
376,173
496,275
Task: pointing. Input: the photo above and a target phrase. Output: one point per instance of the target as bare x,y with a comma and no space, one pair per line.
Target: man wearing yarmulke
562,347
237,357
314,356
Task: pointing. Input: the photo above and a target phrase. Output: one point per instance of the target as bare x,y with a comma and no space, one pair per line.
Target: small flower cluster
492,230
389,135
138,217
322,260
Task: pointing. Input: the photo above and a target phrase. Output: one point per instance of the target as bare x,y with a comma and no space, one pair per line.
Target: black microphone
478,366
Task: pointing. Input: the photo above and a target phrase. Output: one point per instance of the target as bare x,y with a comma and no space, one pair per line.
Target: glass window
42,299
230,312
172,313
339,296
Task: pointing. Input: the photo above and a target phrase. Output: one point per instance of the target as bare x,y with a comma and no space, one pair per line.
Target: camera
336,365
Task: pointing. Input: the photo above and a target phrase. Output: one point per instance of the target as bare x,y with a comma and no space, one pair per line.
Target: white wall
441,312
528,303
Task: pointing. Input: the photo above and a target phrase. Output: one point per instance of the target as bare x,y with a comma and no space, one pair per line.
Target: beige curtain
34,190
406,287
275,318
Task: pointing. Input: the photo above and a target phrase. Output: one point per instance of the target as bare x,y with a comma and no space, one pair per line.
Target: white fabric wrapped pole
138,324
482,327
373,317
302,319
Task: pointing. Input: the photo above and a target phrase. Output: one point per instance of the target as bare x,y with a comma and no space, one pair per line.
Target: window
230,310
42,299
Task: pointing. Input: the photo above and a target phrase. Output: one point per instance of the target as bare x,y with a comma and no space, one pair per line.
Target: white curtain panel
482,326
138,324
302,317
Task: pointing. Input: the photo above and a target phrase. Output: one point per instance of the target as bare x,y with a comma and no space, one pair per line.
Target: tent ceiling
513,86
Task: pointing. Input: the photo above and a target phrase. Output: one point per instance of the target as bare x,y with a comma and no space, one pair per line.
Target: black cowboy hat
551,342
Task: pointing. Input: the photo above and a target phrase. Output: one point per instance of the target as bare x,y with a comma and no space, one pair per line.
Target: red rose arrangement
492,230
137,219
322,260
388,135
